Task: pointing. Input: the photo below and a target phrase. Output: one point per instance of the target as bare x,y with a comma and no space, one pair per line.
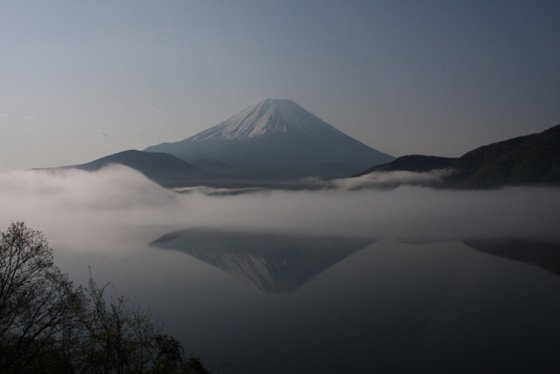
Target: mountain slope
160,167
276,139
415,163
530,159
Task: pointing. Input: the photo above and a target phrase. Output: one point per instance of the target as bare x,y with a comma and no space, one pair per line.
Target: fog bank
72,206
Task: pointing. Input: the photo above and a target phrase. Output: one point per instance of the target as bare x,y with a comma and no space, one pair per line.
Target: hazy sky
81,79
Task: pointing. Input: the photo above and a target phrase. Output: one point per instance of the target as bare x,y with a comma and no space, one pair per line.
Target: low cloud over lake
69,204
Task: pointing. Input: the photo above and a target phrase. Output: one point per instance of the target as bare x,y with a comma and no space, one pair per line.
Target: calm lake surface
272,302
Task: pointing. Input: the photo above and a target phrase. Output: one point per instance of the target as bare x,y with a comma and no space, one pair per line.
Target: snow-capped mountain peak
265,117
275,139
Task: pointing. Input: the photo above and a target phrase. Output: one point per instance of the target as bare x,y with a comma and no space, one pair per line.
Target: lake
264,302
331,281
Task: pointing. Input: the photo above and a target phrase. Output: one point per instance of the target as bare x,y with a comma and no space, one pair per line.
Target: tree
48,325
36,299
118,337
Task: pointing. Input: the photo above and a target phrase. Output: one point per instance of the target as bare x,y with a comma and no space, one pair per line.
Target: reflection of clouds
64,202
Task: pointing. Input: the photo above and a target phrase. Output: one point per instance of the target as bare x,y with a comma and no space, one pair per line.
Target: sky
83,79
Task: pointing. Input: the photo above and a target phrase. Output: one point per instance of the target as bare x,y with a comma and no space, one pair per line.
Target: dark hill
416,163
531,159
162,168
526,160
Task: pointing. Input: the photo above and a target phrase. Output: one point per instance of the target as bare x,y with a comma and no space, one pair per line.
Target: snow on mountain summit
275,139
267,116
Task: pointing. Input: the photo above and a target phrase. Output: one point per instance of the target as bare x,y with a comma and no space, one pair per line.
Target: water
273,302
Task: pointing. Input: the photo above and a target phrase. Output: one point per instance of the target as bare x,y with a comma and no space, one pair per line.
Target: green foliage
48,325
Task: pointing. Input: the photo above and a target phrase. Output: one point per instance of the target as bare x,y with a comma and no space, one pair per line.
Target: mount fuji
275,139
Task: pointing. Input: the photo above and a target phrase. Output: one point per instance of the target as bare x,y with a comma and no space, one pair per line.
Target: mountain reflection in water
272,262
451,304
544,254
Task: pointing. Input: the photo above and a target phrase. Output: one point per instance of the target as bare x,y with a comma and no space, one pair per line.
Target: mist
73,207
382,180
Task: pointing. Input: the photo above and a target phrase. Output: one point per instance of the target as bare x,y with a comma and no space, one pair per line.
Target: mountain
275,139
273,263
531,159
526,160
162,168
415,163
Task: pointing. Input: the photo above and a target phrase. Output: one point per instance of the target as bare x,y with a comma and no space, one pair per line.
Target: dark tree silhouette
36,299
48,325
